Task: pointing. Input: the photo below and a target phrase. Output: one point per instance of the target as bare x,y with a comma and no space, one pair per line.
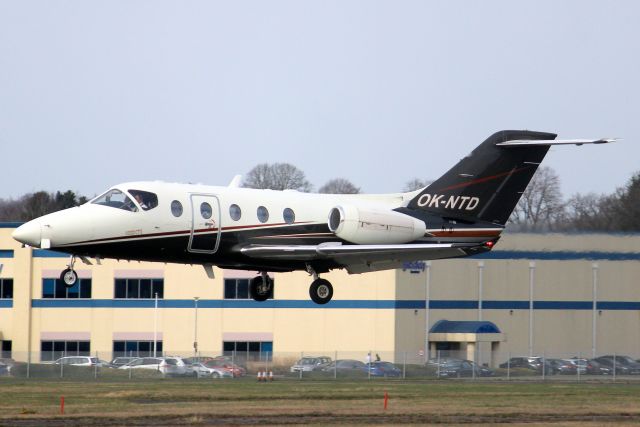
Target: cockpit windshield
145,199
116,199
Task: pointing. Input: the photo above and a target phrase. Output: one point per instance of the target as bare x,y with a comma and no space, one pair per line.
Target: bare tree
277,176
339,186
591,212
541,203
416,183
36,204
626,206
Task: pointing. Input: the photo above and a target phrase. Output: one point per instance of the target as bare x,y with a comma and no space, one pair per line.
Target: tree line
541,208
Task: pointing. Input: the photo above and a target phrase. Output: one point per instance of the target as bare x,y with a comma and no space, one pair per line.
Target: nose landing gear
261,287
321,290
69,276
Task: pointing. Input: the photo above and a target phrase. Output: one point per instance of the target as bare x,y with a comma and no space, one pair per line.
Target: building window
238,289
55,288
248,350
5,349
136,348
53,350
139,288
6,288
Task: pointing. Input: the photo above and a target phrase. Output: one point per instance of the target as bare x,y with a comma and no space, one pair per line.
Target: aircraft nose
29,233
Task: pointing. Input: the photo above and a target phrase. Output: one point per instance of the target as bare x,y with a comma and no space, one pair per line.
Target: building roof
464,327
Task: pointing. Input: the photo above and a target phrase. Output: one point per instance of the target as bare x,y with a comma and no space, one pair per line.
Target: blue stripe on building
339,304
6,253
45,253
560,255
10,224
6,303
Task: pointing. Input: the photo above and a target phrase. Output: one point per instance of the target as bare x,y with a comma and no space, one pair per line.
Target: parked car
454,368
200,370
173,366
533,363
622,365
80,361
382,369
308,364
596,368
143,363
344,365
5,365
119,361
562,367
235,370
165,365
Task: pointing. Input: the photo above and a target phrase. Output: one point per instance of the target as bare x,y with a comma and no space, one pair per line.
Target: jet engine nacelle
371,227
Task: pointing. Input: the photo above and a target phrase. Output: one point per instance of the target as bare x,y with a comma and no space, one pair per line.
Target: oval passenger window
263,214
288,215
205,210
176,208
235,212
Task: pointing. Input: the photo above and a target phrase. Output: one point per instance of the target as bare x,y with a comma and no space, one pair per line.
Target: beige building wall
382,312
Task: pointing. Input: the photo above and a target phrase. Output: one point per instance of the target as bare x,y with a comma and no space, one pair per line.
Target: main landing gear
69,276
321,290
261,287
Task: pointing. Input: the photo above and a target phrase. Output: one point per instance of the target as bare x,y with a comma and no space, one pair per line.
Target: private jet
460,214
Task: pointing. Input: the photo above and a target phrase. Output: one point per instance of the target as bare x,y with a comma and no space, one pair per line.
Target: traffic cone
270,375
259,376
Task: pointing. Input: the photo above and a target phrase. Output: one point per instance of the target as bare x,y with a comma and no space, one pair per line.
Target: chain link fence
324,365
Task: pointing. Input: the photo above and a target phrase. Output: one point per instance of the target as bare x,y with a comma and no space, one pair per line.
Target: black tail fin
487,184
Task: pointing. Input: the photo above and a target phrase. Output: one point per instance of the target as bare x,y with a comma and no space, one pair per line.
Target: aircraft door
205,224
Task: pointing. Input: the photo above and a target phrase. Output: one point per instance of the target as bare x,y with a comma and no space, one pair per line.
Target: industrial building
554,294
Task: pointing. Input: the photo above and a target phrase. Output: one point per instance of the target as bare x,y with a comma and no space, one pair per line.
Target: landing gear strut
261,287
321,290
69,276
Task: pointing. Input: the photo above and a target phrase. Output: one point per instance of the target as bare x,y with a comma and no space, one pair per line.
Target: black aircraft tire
254,287
321,291
69,277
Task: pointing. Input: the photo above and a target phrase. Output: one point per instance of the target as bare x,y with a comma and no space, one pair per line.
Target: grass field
219,402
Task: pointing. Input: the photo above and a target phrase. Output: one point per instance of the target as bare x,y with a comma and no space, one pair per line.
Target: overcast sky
93,93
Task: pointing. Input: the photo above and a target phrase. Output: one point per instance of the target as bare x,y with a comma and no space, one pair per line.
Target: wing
361,258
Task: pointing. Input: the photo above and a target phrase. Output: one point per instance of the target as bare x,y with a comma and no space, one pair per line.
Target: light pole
427,298
480,271
594,311
532,268
195,327
155,325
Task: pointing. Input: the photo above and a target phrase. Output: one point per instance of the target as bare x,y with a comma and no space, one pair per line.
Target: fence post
61,369
300,371
369,358
508,366
404,366
29,365
544,364
335,365
614,367
95,367
578,364
438,371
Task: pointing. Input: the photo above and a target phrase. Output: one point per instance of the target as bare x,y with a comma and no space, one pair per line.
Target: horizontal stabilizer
538,142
